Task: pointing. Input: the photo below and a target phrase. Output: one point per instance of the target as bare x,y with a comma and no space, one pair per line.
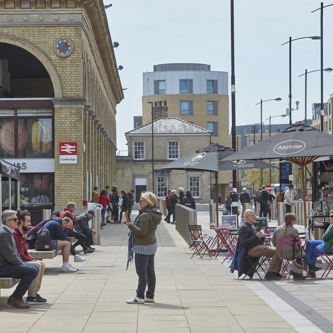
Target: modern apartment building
191,92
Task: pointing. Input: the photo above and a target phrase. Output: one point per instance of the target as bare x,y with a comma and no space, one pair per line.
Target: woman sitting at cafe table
315,248
288,230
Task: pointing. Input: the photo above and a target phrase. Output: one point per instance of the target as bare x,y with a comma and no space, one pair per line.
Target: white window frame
168,149
166,186
189,176
133,150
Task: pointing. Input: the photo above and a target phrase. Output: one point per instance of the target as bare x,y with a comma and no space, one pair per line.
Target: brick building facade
59,82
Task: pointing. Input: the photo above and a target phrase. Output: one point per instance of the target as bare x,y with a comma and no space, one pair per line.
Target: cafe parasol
300,144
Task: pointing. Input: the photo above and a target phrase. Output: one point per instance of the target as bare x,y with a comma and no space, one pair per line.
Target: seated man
23,226
58,229
253,242
81,238
82,226
11,264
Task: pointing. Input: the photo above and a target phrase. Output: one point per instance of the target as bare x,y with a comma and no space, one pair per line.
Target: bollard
96,225
46,214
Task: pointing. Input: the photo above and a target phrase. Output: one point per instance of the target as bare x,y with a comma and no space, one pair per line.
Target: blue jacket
241,263
54,226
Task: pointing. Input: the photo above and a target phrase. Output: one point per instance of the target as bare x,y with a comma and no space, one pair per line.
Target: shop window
25,4
9,4
35,190
40,4
55,4
26,137
162,186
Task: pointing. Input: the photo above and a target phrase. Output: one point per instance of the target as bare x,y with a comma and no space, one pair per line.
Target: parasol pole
303,194
216,199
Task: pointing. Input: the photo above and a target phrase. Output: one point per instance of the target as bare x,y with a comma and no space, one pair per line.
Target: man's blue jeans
26,273
314,248
146,271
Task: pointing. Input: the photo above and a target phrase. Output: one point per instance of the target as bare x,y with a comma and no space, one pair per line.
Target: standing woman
144,247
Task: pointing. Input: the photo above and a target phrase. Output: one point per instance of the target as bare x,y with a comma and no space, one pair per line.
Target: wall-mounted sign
68,153
33,165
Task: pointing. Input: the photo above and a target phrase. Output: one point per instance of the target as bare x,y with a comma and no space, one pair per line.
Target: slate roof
172,126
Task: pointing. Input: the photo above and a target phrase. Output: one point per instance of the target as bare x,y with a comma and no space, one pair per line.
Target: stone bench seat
40,255
8,282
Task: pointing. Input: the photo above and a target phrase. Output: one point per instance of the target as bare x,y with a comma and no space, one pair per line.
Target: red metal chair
328,258
296,243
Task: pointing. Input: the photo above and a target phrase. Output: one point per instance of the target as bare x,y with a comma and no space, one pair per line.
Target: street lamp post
278,99
327,70
290,94
321,62
152,146
270,134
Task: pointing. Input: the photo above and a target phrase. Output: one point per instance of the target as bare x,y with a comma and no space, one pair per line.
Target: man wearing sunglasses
11,265
315,248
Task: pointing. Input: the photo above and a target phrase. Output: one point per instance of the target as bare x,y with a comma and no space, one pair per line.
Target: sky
154,32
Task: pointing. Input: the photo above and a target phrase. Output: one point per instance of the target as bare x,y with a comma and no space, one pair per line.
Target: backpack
44,242
259,198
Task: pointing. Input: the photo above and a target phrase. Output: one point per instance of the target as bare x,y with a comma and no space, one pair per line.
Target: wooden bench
40,255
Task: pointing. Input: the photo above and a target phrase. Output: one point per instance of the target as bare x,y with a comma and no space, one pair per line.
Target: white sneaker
149,300
78,258
135,300
74,267
68,269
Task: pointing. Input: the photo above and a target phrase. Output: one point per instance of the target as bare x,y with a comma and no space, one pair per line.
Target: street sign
68,152
268,187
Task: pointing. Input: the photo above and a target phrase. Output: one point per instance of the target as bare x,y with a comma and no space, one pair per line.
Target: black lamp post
327,70
321,62
152,146
233,87
290,94
270,134
278,99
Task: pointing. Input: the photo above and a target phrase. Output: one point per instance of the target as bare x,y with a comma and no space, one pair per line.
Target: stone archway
41,56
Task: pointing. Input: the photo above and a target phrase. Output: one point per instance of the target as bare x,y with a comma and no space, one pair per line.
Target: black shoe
101,227
271,276
36,300
119,221
87,250
91,248
108,221
103,224
295,275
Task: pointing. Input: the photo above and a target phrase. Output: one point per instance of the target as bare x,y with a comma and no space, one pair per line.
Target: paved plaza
192,295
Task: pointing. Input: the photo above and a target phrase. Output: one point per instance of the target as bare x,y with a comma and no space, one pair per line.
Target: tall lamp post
290,94
327,70
233,87
278,99
152,146
321,62
270,134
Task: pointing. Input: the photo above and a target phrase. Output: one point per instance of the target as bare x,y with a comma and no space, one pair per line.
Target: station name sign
68,152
